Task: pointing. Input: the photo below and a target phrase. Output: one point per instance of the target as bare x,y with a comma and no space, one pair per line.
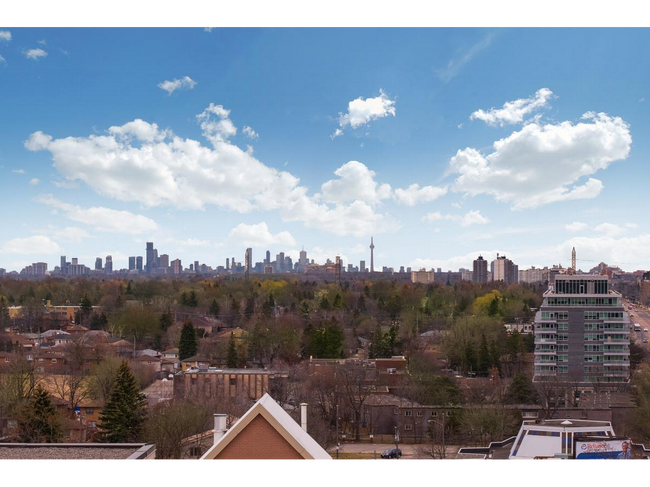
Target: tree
232,360
123,416
172,422
166,320
521,391
214,308
39,421
338,301
86,307
188,344
484,358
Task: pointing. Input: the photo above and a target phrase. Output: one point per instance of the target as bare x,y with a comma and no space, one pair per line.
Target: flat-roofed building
582,333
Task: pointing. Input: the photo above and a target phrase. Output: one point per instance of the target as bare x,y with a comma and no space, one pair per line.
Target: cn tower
372,256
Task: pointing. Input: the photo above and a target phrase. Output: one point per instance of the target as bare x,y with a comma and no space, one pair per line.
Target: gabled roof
284,424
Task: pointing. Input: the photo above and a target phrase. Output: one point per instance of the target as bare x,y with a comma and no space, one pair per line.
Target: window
89,410
233,381
448,413
434,413
568,415
40,359
53,360
408,427
408,413
419,413
92,424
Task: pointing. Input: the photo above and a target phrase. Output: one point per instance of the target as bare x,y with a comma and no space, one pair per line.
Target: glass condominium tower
582,333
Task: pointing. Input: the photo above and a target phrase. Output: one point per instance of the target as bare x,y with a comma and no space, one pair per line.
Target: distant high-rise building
64,265
267,260
164,261
362,266
505,270
138,263
197,269
177,267
150,255
227,263
531,275
75,261
131,263
303,257
98,264
422,276
372,255
108,268
248,261
479,271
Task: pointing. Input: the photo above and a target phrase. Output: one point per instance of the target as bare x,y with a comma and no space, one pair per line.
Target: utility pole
338,443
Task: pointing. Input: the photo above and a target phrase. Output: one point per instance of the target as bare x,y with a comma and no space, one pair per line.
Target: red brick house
266,431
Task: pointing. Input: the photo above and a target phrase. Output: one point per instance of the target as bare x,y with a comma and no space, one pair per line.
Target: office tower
505,270
64,265
131,263
302,260
288,263
401,269
479,271
156,259
372,255
138,263
108,268
339,264
362,266
227,263
150,257
163,261
196,267
75,261
267,260
98,264
177,267
248,261
582,333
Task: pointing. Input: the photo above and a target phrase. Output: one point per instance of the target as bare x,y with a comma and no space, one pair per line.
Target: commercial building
131,263
138,263
582,333
108,267
98,264
177,267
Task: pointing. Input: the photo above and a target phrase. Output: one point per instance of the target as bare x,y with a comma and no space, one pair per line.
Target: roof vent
566,423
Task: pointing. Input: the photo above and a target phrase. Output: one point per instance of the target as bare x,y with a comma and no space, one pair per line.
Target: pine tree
324,303
521,391
166,320
39,421
123,416
232,360
188,344
338,302
361,304
129,289
214,308
193,300
484,359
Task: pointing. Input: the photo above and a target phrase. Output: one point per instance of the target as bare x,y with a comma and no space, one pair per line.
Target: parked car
645,340
392,453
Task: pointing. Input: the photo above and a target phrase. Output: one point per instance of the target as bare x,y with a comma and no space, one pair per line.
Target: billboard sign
603,448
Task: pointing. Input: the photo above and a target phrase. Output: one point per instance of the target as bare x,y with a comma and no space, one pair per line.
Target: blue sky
341,124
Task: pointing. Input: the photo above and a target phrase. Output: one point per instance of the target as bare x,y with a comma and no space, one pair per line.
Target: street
642,317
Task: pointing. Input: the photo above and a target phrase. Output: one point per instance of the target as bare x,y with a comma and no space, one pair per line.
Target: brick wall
259,440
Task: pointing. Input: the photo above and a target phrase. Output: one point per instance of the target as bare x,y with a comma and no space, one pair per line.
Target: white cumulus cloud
5,35
514,111
414,194
355,182
35,54
249,132
576,226
103,219
185,83
36,245
363,111
543,163
34,181
259,235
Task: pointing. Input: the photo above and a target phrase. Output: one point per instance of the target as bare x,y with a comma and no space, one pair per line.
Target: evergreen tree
166,320
377,343
361,304
39,421
249,310
271,301
123,416
193,300
214,308
86,308
493,307
338,301
521,391
188,344
469,356
129,289
324,303
232,360
484,358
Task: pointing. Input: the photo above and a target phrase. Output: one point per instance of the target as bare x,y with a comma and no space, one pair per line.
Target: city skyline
529,159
